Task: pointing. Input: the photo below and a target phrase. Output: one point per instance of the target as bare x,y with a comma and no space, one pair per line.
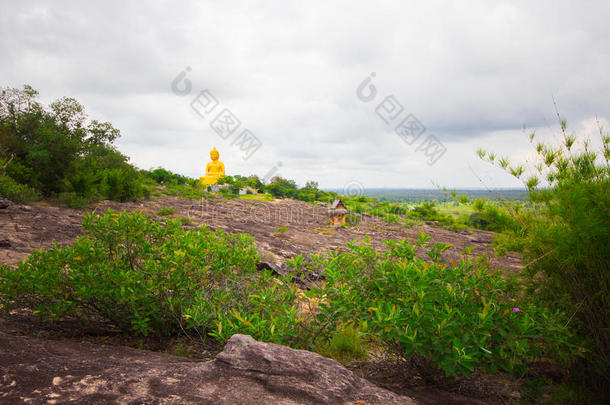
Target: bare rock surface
27,228
24,229
37,371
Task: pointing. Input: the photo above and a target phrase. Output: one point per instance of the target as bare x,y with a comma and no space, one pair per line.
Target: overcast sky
472,73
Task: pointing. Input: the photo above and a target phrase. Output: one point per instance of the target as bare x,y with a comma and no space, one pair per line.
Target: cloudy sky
472,73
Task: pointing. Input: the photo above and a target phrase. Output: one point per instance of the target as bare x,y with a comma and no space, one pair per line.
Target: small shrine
337,211
213,169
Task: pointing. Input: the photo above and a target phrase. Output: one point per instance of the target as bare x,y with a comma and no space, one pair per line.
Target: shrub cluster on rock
155,278
456,318
152,278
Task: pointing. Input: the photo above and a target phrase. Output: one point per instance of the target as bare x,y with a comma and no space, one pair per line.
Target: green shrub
456,319
185,220
181,350
73,200
356,207
409,223
19,193
152,279
391,218
345,345
479,204
282,188
491,217
166,211
227,193
81,187
280,231
507,242
123,184
427,211
352,220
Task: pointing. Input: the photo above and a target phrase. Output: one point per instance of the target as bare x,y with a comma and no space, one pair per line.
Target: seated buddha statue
213,169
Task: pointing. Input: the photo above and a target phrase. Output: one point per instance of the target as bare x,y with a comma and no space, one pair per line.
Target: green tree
282,188
311,185
58,150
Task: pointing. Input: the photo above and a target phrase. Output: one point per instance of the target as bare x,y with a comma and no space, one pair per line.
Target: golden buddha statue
213,169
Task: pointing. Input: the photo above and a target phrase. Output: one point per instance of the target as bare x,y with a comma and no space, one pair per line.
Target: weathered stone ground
38,370
24,229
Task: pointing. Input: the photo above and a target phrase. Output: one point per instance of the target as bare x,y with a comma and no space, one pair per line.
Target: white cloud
473,73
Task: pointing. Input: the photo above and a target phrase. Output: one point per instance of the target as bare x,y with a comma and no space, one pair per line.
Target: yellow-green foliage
460,211
19,193
185,220
166,211
280,231
345,345
257,197
324,231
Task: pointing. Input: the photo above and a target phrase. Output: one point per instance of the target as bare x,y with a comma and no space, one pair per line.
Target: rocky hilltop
49,371
24,228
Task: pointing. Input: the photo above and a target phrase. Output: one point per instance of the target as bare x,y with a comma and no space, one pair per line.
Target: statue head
214,154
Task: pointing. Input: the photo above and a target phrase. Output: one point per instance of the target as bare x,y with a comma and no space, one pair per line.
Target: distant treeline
412,195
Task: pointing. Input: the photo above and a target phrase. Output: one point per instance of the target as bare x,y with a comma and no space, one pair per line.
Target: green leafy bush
154,279
427,211
455,319
19,193
493,217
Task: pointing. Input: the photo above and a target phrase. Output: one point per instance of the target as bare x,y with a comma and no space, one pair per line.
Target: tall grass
566,239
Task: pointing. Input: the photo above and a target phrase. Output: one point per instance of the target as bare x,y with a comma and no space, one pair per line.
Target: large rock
4,203
39,371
